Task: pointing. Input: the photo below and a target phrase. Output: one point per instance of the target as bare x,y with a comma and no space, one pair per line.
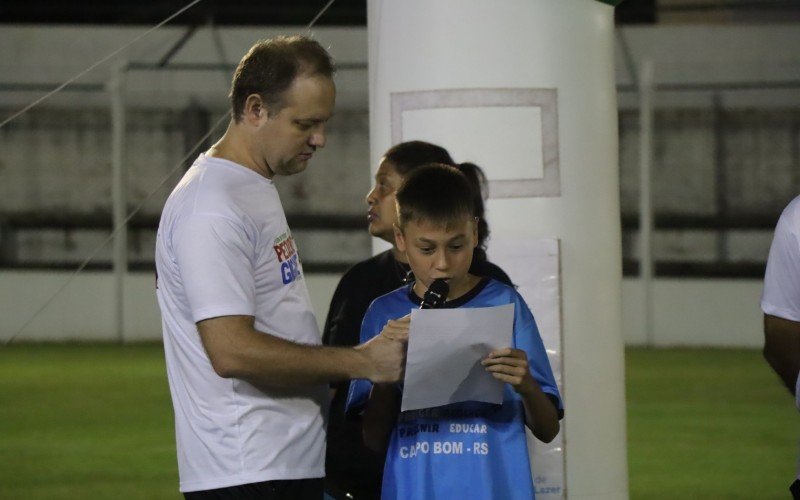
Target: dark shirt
350,467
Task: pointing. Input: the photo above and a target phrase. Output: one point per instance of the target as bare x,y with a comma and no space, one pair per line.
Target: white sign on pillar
525,89
511,133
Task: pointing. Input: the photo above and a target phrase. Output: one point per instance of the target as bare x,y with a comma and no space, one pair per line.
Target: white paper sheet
445,349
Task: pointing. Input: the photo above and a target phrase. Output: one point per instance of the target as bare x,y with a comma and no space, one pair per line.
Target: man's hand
511,366
387,351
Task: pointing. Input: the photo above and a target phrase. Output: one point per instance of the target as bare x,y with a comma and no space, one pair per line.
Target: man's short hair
435,193
270,66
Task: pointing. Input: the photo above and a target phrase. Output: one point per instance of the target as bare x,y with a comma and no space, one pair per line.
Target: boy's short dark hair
437,193
270,66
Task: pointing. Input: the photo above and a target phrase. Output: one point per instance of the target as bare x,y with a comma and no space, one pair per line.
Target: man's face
289,137
382,214
435,251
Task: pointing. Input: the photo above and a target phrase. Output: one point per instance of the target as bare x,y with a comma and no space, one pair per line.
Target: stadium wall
687,312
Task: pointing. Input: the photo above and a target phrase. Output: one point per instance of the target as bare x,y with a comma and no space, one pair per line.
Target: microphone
435,295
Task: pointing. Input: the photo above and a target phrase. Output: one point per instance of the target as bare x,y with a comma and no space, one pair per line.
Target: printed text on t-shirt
287,256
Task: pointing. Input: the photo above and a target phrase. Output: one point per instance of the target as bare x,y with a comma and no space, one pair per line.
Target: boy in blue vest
467,450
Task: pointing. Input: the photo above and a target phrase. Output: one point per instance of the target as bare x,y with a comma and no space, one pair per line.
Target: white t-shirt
781,295
224,248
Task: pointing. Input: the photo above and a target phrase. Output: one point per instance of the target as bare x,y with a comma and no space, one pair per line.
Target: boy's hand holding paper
511,366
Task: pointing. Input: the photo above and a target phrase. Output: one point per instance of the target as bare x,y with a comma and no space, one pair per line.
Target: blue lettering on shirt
290,270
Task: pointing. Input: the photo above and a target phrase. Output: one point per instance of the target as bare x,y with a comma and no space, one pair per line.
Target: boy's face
435,251
382,214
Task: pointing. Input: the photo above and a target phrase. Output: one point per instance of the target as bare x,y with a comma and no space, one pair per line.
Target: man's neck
233,146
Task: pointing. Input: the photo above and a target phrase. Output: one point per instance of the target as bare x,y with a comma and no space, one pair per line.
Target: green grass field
95,421
85,421
708,424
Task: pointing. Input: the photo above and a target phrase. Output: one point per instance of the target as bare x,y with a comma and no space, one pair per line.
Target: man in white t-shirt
247,375
780,302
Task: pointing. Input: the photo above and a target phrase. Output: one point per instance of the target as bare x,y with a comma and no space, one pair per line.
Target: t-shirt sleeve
215,259
781,294
358,393
527,338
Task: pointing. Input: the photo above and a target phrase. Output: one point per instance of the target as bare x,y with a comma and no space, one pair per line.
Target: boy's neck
460,289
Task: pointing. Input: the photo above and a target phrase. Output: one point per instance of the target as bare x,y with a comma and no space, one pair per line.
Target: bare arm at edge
237,350
782,348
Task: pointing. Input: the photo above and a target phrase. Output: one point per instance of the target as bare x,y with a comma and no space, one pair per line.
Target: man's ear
255,109
399,239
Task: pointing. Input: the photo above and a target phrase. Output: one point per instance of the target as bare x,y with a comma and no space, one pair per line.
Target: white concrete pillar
525,89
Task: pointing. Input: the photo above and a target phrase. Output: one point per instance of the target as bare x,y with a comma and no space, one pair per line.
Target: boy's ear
254,109
399,239
475,232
